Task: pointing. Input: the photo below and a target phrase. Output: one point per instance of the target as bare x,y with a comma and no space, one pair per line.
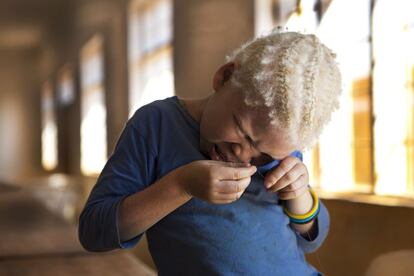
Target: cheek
209,127
217,128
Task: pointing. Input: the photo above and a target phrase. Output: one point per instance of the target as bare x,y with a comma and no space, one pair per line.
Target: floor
35,240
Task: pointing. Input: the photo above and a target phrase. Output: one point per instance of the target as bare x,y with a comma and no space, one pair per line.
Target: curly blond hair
294,77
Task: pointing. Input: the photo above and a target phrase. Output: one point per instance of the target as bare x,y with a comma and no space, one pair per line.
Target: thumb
238,164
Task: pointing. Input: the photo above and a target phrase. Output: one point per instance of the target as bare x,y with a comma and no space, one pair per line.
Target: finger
237,164
289,178
285,166
236,173
284,174
292,182
302,181
293,194
230,164
286,186
233,186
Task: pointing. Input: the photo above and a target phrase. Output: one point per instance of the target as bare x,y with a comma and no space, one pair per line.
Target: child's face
223,121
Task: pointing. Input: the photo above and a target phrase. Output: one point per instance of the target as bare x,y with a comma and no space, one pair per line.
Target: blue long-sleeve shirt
250,236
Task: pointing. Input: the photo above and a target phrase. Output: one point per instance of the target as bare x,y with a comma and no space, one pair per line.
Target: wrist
301,204
299,217
178,181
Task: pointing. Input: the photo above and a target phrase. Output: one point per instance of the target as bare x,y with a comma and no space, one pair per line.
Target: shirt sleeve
322,225
128,170
322,228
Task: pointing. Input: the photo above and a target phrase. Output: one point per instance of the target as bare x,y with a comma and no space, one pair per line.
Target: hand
290,179
215,181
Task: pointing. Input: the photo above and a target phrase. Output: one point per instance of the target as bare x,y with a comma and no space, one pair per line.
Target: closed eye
250,140
247,137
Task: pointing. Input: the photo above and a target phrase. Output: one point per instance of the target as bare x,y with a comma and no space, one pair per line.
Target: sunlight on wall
349,40
66,88
262,16
393,40
354,153
93,111
332,163
92,130
304,20
150,52
49,129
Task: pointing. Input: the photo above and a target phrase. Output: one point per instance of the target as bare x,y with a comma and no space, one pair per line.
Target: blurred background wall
73,72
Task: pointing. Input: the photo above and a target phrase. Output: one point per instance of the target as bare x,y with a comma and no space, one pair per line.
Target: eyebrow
255,143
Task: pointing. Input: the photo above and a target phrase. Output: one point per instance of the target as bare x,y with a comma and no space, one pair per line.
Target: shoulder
153,113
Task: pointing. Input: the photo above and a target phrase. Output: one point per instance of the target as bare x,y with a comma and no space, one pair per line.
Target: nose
243,152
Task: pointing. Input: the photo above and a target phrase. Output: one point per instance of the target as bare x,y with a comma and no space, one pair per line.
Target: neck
195,106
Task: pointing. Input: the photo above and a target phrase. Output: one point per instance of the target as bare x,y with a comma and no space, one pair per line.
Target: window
304,19
393,44
366,156
66,89
352,149
93,111
150,52
49,129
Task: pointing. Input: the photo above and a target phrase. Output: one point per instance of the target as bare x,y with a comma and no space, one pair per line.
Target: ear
223,74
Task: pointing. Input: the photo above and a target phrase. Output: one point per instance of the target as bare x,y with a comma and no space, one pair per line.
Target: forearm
142,210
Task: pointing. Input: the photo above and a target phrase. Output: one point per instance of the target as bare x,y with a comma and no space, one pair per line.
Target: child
218,183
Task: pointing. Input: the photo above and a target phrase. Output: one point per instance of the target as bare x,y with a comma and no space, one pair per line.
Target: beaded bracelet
305,218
